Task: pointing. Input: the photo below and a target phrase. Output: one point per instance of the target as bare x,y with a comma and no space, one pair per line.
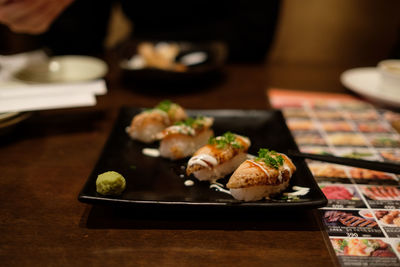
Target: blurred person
63,26
31,16
80,26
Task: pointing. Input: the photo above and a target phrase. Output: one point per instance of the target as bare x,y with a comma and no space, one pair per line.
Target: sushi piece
220,157
146,125
184,138
261,177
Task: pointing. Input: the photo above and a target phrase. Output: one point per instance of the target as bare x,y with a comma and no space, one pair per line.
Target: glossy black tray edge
318,202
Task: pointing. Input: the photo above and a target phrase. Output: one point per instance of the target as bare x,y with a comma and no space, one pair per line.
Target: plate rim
103,69
381,97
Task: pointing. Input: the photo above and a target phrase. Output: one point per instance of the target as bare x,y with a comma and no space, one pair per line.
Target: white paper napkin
46,102
50,96
18,96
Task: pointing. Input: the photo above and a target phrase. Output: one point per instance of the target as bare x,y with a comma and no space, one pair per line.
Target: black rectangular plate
155,181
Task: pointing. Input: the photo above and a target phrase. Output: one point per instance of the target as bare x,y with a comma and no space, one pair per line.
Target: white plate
366,81
65,69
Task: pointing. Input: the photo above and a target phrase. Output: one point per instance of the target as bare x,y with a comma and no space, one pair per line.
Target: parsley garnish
164,105
343,244
192,122
227,138
270,157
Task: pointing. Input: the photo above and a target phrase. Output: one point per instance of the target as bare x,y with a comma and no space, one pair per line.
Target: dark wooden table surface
45,162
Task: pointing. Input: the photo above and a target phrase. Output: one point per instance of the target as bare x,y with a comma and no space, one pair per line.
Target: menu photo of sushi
295,112
347,139
342,196
362,115
365,176
323,104
351,223
384,140
337,126
390,155
373,127
326,114
329,173
355,105
390,221
300,124
320,150
381,196
364,252
309,138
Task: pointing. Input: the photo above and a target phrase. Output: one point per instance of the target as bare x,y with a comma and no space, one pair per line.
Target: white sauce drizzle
298,191
287,168
189,183
219,187
151,152
182,129
261,167
280,176
285,165
203,160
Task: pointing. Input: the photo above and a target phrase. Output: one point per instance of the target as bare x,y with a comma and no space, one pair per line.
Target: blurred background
309,32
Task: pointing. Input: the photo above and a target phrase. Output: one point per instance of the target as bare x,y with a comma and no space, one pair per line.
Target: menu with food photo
390,221
364,252
364,176
327,172
362,217
386,197
390,155
352,223
342,196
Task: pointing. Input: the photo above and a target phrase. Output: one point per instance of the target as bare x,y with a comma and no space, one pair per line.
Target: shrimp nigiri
184,138
261,177
221,156
146,125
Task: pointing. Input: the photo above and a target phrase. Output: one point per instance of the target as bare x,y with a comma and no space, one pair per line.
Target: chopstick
366,164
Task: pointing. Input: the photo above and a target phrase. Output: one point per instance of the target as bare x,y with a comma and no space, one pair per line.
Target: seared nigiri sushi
261,177
146,125
184,138
220,157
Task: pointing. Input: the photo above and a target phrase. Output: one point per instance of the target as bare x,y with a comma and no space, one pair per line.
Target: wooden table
46,161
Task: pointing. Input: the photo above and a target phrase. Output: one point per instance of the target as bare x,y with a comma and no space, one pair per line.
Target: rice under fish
184,138
220,157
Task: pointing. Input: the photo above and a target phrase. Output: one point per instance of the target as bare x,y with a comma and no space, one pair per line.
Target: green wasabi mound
110,183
